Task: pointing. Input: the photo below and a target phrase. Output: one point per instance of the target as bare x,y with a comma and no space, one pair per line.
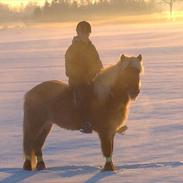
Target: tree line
64,10
71,9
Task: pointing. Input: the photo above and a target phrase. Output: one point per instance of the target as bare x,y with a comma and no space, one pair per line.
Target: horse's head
130,68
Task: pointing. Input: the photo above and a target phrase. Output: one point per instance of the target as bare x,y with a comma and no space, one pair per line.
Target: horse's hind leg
39,142
28,152
107,149
28,141
32,126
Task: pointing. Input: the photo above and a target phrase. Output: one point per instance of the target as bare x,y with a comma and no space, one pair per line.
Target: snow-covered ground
151,151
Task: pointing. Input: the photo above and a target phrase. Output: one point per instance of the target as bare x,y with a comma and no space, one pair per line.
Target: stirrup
87,128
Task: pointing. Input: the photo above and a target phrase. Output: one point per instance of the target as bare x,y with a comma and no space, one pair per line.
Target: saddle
82,94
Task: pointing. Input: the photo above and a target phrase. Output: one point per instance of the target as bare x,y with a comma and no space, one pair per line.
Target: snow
149,152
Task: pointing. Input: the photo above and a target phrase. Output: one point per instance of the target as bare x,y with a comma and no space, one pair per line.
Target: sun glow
176,15
18,4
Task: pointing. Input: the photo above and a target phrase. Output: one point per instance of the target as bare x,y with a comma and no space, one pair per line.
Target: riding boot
82,94
87,127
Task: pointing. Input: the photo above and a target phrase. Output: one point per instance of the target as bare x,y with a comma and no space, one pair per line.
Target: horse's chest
114,115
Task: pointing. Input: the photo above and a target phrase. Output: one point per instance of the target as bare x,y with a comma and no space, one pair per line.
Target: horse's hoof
27,165
41,166
109,167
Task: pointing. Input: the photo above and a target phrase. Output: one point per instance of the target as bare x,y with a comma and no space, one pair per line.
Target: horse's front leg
107,140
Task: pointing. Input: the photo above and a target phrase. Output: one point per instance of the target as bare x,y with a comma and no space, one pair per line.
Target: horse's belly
66,118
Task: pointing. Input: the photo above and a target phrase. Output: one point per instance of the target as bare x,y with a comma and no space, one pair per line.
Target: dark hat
83,27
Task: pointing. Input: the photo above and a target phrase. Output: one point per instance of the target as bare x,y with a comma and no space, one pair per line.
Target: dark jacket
82,62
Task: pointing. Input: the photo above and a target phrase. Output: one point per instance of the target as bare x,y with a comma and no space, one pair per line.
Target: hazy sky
18,3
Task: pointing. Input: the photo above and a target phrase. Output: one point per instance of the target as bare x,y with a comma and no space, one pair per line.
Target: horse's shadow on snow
101,175
17,174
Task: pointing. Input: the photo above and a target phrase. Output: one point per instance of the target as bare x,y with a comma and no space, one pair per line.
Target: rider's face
84,35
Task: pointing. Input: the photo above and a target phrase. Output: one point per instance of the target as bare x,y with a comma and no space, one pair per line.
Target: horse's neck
108,89
118,97
114,100
104,82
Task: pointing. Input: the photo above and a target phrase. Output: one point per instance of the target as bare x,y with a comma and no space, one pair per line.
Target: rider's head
83,28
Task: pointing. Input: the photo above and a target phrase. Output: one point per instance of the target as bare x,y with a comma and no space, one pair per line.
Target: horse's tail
28,133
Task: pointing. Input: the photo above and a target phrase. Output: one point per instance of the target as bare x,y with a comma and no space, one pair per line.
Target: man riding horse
82,63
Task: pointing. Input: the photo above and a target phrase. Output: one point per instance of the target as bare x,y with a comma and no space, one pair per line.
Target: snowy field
151,151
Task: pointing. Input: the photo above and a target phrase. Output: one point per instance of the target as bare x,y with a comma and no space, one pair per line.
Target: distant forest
65,10
70,10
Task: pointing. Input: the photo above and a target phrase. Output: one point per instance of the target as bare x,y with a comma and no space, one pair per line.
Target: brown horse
52,102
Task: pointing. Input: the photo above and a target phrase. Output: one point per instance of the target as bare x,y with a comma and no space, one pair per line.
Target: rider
82,63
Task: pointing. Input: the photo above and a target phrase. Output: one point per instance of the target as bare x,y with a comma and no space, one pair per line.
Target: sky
19,3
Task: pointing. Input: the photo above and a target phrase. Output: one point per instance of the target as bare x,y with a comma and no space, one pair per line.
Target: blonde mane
104,80
133,62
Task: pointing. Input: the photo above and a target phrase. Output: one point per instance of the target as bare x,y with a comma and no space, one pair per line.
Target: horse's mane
104,80
107,76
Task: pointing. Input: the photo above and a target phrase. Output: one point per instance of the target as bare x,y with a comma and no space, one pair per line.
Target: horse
52,102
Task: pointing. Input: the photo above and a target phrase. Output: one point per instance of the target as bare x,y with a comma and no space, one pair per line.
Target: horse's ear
140,57
122,57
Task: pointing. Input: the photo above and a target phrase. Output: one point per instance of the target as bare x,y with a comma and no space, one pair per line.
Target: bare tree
170,4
